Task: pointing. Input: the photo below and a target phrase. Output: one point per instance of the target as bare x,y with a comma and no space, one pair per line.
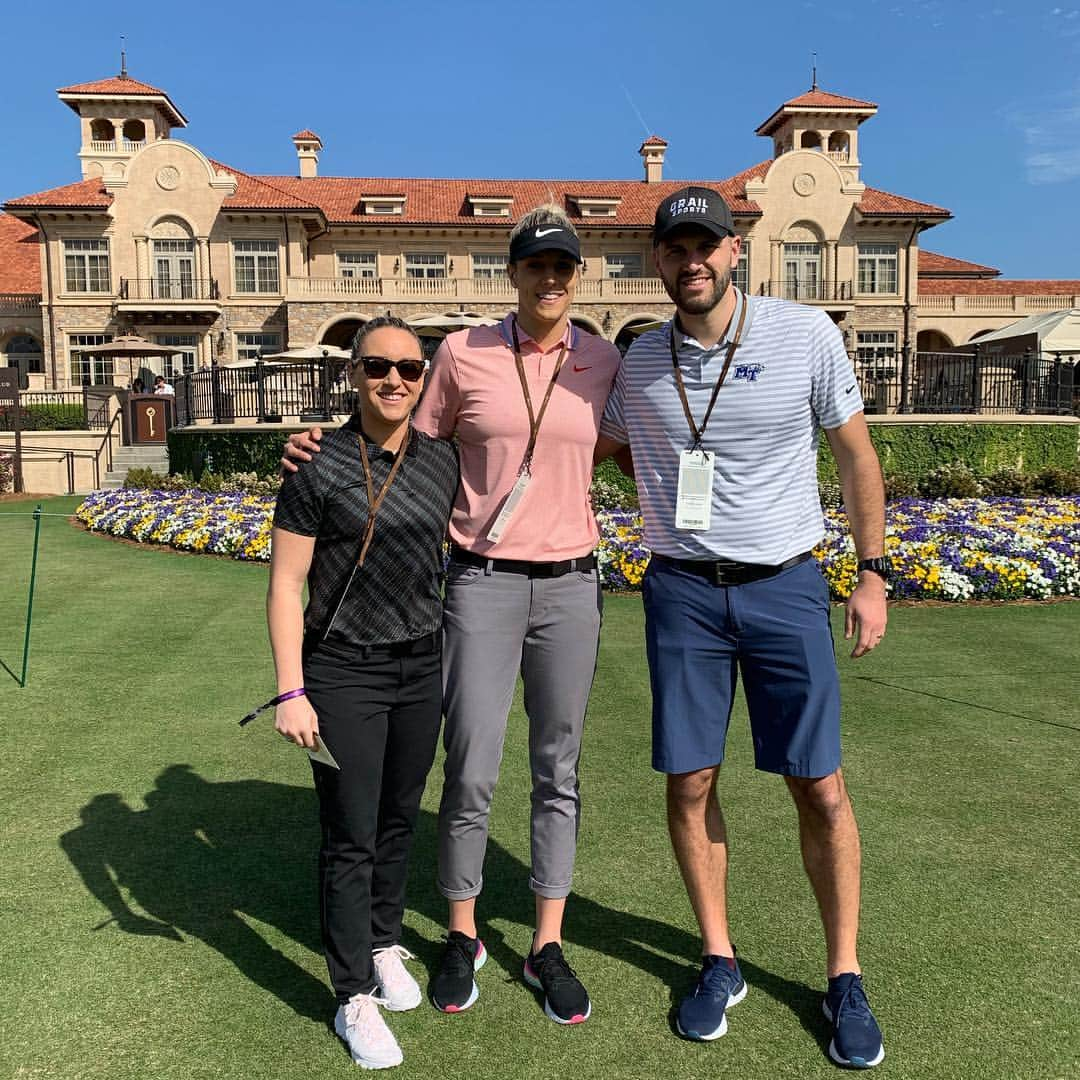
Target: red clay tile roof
126,87
445,202
655,140
816,99
822,99
20,267
876,203
934,265
86,193
996,287
307,135
115,85
430,201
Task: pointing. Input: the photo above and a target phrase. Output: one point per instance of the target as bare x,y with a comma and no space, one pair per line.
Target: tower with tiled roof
821,121
119,116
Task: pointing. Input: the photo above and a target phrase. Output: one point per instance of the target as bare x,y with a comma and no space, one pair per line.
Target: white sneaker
400,991
371,1043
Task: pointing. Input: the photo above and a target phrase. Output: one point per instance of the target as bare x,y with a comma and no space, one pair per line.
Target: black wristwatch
882,566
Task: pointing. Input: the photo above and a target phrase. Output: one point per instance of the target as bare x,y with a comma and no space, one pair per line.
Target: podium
151,416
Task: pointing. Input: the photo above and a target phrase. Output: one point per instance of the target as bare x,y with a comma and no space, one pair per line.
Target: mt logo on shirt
748,372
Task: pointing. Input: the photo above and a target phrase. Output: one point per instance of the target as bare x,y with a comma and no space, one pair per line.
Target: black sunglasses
378,367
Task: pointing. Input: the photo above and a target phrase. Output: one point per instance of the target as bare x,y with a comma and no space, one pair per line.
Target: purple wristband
287,696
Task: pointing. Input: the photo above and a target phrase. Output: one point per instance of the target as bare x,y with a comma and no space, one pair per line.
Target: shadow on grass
204,855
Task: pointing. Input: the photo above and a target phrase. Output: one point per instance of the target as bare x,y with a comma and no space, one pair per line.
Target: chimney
308,145
652,152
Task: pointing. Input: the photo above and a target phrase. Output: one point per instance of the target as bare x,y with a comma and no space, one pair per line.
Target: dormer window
490,205
383,204
598,207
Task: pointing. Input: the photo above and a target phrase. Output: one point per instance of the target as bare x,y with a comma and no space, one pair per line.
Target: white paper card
508,507
693,503
322,754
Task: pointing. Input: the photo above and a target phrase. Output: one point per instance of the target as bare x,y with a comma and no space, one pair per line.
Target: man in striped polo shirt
722,409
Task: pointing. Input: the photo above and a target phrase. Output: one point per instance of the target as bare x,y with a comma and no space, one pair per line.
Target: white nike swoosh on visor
544,232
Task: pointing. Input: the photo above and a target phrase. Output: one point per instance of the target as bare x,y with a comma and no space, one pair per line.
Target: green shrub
56,417
1054,481
1007,482
952,481
144,478
225,452
612,489
899,486
211,482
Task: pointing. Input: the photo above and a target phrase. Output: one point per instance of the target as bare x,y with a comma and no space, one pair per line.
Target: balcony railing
110,146
169,289
497,289
808,292
20,301
991,304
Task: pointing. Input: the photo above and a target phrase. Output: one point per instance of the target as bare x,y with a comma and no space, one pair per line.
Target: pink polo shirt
473,390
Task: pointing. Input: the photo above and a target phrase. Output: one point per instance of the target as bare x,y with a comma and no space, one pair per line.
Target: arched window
134,131
811,140
838,146
102,131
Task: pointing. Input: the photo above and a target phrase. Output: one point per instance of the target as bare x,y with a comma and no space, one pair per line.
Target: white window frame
263,257
358,264
429,264
87,266
740,275
187,347
490,267
876,353
88,370
624,264
384,205
250,343
597,207
490,205
878,269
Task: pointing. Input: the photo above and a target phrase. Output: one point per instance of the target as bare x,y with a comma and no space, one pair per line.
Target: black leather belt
728,571
521,566
424,646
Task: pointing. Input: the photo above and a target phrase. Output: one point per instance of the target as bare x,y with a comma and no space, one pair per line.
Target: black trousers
379,715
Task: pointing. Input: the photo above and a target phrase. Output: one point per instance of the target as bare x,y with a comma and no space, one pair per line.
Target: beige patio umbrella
441,325
310,352
128,345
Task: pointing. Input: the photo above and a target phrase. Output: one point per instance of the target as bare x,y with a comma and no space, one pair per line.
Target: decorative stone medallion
168,177
804,184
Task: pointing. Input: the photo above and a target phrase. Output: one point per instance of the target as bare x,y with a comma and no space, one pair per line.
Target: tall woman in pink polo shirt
524,399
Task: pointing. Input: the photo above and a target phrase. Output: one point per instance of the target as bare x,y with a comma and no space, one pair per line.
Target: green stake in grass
30,597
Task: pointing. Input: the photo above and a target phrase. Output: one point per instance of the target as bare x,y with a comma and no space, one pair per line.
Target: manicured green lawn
158,893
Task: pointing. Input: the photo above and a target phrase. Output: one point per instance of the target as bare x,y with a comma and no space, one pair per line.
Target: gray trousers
494,624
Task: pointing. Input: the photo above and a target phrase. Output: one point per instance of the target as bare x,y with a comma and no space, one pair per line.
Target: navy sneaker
856,1037
720,985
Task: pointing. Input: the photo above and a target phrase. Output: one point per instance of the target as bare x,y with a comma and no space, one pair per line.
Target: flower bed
946,549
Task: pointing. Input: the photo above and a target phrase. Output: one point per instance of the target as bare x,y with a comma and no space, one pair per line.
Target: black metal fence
970,382
179,288
57,410
264,392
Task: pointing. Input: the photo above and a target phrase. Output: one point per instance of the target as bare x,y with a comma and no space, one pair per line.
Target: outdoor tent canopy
1056,332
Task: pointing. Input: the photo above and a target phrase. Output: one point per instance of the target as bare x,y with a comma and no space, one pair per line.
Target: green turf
158,893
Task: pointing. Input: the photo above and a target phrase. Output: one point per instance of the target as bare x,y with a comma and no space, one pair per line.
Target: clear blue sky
979,103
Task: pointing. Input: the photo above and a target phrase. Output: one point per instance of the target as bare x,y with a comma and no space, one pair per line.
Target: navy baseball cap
545,237
698,206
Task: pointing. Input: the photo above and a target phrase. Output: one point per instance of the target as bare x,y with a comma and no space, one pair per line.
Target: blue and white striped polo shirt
789,378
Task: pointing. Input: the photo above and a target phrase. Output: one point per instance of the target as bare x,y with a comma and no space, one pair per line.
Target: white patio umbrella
128,345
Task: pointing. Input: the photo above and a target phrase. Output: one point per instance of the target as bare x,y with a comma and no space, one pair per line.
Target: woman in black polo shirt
359,671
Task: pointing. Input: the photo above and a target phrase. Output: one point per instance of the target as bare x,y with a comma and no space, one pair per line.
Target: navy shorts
776,631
